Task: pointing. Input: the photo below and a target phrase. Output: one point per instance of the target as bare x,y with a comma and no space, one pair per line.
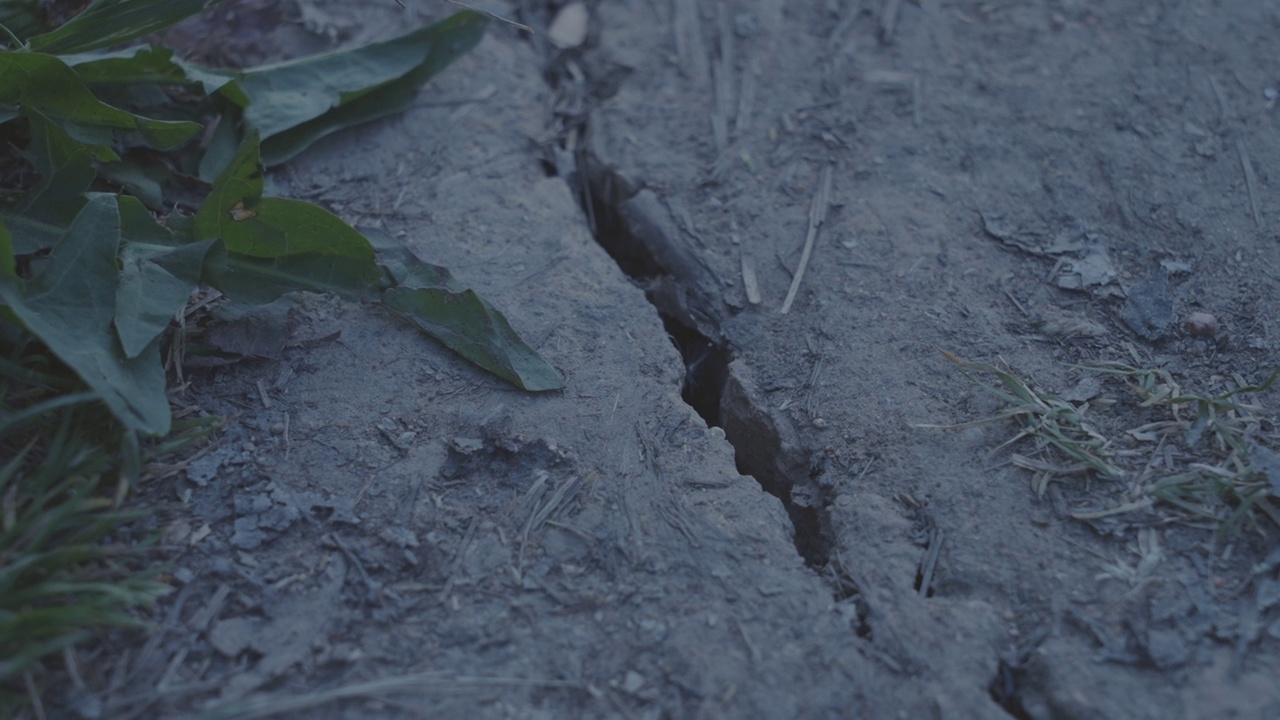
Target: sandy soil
748,522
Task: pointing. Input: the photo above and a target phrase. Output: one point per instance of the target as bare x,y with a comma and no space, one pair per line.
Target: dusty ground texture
384,531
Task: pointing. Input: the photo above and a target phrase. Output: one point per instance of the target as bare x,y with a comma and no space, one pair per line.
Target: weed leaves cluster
128,179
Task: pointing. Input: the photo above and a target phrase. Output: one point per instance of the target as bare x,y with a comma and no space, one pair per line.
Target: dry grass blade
1056,424
1205,464
1222,479
817,216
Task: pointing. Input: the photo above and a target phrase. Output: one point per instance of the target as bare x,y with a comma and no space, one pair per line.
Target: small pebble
1201,325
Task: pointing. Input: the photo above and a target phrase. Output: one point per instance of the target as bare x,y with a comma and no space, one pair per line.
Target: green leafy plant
61,577
128,178
114,274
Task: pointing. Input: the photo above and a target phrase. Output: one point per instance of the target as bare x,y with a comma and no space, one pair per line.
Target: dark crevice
813,537
706,367
625,220
1004,690
706,358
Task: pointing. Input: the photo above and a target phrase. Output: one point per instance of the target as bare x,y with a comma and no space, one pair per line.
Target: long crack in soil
632,225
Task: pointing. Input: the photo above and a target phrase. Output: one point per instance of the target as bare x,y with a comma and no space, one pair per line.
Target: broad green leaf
155,283
387,100
241,180
31,235
145,181
405,268
430,297
157,276
280,227
111,22
469,325
70,307
221,152
137,224
261,227
66,172
46,83
262,280
142,64
304,100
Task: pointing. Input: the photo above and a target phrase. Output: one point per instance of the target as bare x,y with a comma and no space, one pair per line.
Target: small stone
232,636
819,423
632,682
569,29
1201,325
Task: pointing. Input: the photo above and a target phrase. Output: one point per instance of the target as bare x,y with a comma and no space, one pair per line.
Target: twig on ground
690,49
749,281
888,19
817,215
930,562
1250,182
457,561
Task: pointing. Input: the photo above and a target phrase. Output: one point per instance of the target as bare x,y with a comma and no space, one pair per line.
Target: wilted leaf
70,307
246,332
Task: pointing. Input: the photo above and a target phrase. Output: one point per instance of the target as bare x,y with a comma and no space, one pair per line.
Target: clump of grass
1204,461
60,576
1207,456
1064,443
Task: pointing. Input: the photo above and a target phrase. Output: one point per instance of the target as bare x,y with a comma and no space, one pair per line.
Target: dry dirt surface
732,511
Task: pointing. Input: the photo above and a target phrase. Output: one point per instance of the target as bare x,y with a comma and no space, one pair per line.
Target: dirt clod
1201,325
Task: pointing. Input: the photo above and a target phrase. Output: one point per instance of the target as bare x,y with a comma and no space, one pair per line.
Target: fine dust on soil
384,531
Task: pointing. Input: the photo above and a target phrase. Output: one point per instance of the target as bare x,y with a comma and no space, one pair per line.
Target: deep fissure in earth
686,309
706,359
